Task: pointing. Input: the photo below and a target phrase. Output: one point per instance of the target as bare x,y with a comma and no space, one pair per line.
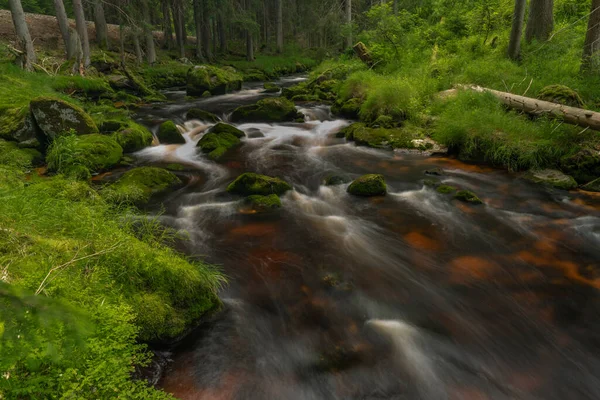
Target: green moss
168,133
133,138
11,178
300,89
368,185
73,155
275,109
254,184
551,177
11,121
334,180
347,109
264,203
112,125
583,164
212,79
226,128
468,197
378,137
14,156
138,185
384,121
164,76
561,94
445,189
54,116
196,113
92,88
271,88
217,144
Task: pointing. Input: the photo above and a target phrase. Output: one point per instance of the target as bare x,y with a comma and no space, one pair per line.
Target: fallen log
571,115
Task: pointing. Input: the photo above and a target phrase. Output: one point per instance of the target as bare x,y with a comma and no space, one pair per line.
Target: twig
528,87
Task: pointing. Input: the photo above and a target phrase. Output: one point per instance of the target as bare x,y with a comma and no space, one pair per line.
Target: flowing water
409,296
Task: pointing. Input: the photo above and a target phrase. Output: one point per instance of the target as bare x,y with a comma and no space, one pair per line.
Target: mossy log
571,115
363,53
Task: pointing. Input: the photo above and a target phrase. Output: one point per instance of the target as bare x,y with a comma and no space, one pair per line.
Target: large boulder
226,128
197,113
379,138
204,78
249,184
274,109
215,145
133,138
56,116
561,94
168,133
138,185
552,178
17,124
368,185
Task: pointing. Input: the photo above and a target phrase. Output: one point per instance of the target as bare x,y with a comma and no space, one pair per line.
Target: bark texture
590,61
514,46
541,20
27,58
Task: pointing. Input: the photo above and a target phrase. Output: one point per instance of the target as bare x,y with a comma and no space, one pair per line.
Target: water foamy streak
429,204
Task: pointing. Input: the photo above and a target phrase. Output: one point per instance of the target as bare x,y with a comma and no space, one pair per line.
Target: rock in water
551,177
204,78
249,184
196,113
217,144
55,116
468,197
226,128
168,133
368,185
133,138
274,109
264,203
271,88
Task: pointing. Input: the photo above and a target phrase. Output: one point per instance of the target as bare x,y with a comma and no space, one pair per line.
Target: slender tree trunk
121,41
590,61
198,25
349,41
395,7
25,44
514,46
222,34
63,24
206,32
82,31
279,26
135,34
178,22
148,36
541,20
167,28
100,25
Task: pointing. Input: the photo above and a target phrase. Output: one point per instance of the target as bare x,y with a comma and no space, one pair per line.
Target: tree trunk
590,61
249,46
198,25
222,34
178,22
24,42
395,7
148,36
206,32
167,28
82,31
135,34
100,25
349,23
541,20
514,46
280,26
63,24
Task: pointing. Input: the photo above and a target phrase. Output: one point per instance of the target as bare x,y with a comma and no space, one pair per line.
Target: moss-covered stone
55,116
215,80
381,138
222,127
334,180
384,121
138,185
368,185
300,89
552,178
593,186
348,109
168,133
14,156
468,197
271,88
275,109
111,125
215,145
133,138
583,165
250,183
446,189
196,113
264,203
18,124
561,94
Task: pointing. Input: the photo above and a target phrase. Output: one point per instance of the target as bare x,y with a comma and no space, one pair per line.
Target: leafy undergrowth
273,65
87,283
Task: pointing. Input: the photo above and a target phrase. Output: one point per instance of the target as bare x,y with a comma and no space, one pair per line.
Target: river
409,296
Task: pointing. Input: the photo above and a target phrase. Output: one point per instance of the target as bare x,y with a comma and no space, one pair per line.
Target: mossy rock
112,125
168,133
264,203
446,189
561,94
468,197
271,88
249,184
11,155
552,178
368,185
55,116
133,138
383,121
275,109
138,185
593,186
196,113
255,75
335,180
348,109
583,165
77,156
18,124
304,98
380,138
222,127
328,86
348,131
300,89
215,145
204,78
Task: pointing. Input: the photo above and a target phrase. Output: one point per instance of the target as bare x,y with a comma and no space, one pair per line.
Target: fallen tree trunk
572,115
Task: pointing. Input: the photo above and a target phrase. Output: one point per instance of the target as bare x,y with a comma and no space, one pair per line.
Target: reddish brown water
409,296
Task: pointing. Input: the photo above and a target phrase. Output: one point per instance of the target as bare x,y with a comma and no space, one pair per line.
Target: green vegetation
272,109
249,184
445,189
468,197
133,138
205,78
168,133
137,186
368,185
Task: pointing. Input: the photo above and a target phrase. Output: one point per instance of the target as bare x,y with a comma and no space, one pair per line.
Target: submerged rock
445,189
168,133
368,185
264,203
204,78
196,113
468,197
275,109
271,88
133,138
56,116
138,185
551,177
334,180
215,145
250,183
437,171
